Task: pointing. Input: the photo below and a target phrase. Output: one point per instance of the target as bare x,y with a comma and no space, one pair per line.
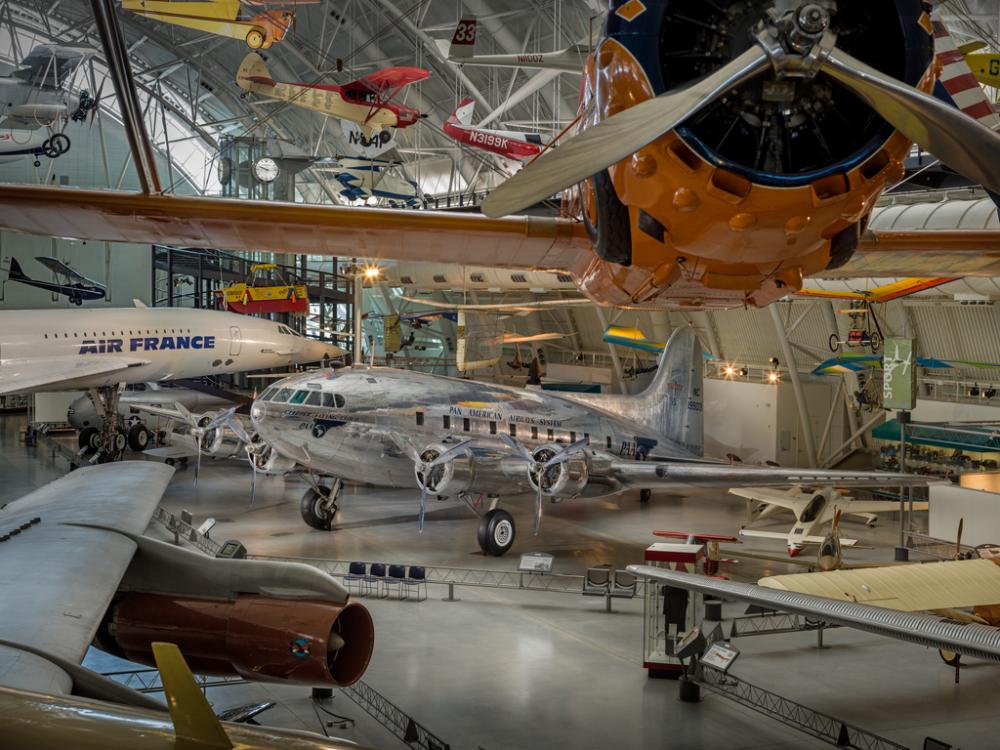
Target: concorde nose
315,351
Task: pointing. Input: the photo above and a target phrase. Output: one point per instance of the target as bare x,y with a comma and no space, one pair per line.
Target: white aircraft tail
463,41
253,70
463,112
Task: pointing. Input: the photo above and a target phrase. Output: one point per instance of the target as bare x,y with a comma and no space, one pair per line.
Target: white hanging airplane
100,349
463,43
813,509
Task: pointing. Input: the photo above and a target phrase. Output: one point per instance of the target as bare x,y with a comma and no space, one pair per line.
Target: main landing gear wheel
834,342
114,451
496,532
89,440
139,437
319,508
255,39
606,219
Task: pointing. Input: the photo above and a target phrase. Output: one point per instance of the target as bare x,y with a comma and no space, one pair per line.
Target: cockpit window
331,400
313,399
811,512
299,397
266,395
282,395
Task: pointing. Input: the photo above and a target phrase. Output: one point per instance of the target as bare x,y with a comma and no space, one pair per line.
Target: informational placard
899,375
721,656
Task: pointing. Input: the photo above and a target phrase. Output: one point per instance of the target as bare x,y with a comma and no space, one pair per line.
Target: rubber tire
255,38
834,342
311,515
876,342
59,143
612,237
139,437
949,657
493,521
88,439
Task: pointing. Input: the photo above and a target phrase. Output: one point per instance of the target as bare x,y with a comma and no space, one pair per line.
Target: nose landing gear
319,504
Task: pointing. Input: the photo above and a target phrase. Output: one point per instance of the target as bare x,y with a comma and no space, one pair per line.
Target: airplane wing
655,474
865,507
792,500
503,306
57,266
885,293
60,571
757,534
970,639
940,585
393,78
60,371
50,65
518,242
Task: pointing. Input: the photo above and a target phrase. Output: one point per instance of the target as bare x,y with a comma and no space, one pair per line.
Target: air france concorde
49,350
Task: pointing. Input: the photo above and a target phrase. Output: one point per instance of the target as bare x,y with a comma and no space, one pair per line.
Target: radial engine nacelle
479,468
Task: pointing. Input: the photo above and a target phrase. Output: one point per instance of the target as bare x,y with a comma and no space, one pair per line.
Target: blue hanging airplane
70,283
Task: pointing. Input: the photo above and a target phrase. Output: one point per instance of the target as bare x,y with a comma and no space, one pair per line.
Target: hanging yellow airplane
985,66
222,17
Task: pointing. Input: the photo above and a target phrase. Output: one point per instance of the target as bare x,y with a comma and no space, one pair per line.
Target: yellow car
259,294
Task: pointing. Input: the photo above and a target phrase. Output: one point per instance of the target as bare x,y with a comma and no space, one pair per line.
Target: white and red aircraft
510,144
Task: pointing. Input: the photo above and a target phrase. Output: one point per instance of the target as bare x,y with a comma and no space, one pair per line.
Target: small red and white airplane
507,143
366,101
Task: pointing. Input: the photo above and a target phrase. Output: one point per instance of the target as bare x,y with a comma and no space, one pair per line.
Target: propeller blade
220,419
253,477
448,455
618,137
197,465
565,454
237,428
962,143
516,446
423,504
538,504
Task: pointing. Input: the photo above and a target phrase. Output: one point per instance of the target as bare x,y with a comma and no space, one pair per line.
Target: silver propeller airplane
461,438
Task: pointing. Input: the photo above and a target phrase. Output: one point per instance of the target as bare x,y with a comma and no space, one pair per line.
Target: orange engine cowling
256,637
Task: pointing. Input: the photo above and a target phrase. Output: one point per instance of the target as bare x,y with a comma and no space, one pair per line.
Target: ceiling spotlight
729,371
774,363
372,272
773,378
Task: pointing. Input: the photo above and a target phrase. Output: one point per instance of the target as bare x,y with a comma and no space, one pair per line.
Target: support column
793,373
357,312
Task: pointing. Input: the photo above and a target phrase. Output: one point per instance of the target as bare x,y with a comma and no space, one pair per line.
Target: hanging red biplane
366,101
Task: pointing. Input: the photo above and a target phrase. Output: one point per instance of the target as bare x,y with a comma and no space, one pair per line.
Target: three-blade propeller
426,470
962,143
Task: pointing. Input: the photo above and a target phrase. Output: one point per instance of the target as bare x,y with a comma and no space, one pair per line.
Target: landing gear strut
496,532
109,444
319,505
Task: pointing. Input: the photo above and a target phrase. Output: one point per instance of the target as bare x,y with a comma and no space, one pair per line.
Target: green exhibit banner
899,375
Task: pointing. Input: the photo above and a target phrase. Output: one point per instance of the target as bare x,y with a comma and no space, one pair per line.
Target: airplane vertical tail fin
958,86
15,274
463,41
253,70
673,402
463,112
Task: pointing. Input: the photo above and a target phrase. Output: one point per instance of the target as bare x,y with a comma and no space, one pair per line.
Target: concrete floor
519,669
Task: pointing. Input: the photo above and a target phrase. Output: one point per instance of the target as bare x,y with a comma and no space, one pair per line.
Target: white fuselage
156,343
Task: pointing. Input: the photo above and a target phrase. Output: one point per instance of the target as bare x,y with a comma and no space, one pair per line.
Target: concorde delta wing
57,577
24,377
